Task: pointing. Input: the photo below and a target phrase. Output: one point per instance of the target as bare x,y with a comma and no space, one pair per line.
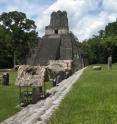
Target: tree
111,29
100,47
5,56
22,34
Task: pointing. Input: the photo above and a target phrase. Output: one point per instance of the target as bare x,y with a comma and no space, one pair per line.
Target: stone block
97,67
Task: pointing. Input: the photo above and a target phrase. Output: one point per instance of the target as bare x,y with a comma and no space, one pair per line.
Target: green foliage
17,34
92,100
5,46
111,29
98,48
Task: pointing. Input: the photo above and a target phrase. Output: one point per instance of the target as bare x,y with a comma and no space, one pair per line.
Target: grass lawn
92,100
9,98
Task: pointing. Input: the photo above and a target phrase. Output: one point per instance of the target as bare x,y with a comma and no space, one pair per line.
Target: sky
86,17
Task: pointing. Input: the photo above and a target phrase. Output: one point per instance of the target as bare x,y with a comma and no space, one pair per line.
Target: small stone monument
97,67
109,62
5,79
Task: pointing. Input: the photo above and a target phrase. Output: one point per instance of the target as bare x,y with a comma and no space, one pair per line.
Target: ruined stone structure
58,24
58,43
31,83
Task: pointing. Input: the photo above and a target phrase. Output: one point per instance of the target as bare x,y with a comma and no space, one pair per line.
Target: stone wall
59,20
53,31
61,64
58,24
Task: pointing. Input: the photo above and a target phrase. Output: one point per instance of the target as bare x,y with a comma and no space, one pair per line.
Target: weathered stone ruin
59,70
58,43
30,76
30,80
60,65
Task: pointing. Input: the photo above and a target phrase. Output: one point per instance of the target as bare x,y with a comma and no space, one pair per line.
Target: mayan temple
58,43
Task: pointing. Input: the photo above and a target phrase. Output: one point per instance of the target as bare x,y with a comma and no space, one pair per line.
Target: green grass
9,98
92,100
48,85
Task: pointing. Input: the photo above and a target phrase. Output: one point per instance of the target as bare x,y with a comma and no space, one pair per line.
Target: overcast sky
86,17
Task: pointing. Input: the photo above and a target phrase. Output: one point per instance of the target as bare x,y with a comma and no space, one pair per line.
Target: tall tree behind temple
100,47
22,34
111,29
5,47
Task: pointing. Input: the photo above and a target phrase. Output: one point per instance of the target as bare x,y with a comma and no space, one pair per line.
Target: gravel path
40,112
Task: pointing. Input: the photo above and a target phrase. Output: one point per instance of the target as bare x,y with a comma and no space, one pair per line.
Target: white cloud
86,17
110,6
